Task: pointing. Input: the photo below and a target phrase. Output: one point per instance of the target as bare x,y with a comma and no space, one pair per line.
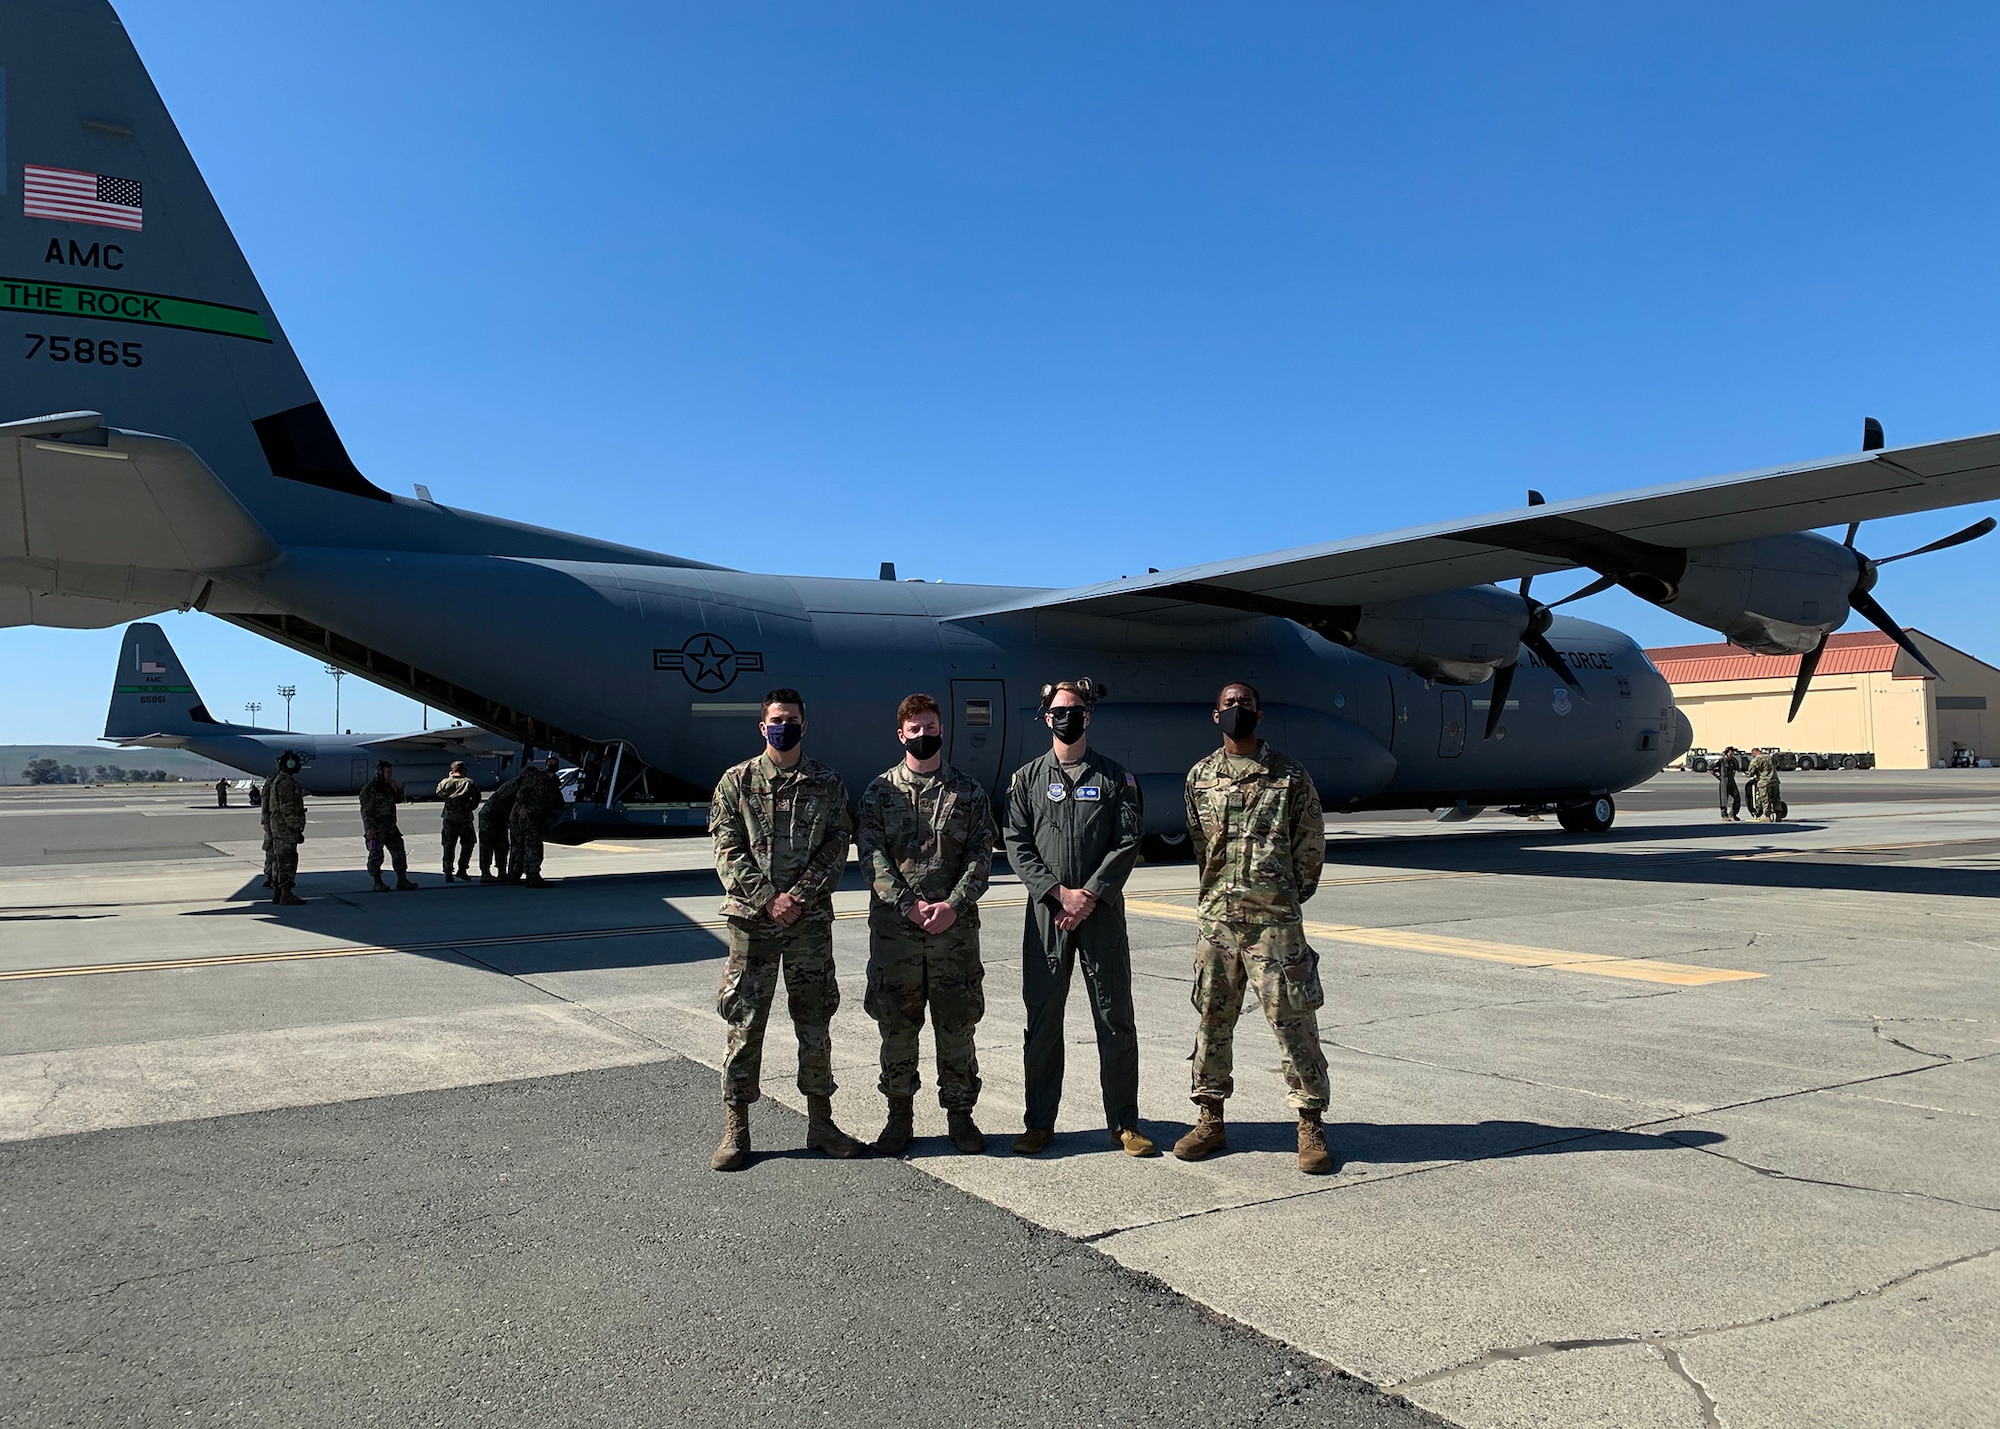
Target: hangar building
1868,695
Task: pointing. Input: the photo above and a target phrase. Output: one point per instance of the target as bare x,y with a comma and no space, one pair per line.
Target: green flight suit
1077,831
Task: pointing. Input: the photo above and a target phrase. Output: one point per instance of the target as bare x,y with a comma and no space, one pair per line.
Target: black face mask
784,735
1067,723
1238,722
923,746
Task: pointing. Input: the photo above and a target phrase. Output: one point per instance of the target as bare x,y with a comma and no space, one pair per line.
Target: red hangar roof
1861,652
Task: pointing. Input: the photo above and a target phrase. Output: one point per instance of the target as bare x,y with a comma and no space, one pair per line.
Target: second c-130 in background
199,471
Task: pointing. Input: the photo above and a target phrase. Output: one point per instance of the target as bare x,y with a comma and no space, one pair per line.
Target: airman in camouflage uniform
1763,777
781,828
285,827
461,800
264,822
536,803
379,797
494,815
1259,842
926,846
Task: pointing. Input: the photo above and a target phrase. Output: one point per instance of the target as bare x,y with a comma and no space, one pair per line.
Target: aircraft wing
465,737
1864,486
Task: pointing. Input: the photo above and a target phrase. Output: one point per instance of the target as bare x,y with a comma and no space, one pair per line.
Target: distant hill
14,758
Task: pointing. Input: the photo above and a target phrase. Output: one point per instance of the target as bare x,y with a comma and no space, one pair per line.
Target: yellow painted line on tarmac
1597,964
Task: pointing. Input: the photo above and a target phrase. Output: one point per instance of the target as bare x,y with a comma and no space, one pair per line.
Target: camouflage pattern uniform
379,798
461,799
926,838
1763,777
285,825
1259,842
537,800
493,819
264,819
778,831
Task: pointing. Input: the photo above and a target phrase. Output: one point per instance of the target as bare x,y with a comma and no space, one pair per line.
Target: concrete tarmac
1688,1124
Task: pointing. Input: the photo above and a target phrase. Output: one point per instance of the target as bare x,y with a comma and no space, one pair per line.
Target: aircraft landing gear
1592,818
1166,848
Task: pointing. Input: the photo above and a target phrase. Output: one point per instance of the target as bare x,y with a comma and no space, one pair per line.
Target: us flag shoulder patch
77,197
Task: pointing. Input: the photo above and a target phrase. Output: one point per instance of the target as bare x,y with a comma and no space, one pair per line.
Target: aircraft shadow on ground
516,930
1531,855
1408,1143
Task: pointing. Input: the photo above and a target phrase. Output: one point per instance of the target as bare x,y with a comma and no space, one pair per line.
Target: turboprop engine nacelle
1776,595
1456,637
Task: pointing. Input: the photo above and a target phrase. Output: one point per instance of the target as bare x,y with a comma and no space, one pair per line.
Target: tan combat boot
1133,1142
823,1135
1208,1134
735,1147
1314,1159
895,1137
964,1132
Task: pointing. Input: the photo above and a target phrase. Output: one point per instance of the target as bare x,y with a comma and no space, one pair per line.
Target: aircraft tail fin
124,293
151,693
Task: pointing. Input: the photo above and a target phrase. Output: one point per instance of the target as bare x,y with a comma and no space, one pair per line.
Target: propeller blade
1552,657
1596,587
1868,606
1808,663
1535,498
1871,435
1958,538
1503,681
1853,528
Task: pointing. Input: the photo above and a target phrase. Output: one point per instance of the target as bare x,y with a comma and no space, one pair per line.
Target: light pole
286,692
338,675
253,707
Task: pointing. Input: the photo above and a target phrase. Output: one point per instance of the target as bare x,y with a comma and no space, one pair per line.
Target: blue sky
1046,294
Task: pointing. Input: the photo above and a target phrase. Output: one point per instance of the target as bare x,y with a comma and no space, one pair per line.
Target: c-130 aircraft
181,461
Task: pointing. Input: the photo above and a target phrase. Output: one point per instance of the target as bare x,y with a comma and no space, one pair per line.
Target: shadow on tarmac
1394,1143
1529,854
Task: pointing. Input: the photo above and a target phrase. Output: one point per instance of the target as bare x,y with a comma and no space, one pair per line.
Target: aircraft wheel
1592,818
1166,848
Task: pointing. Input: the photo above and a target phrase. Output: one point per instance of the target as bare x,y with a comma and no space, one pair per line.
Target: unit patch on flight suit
1057,793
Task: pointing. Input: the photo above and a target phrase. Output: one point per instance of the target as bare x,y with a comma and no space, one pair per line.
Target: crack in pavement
1097,1237
432,1233
1776,1175
1668,1340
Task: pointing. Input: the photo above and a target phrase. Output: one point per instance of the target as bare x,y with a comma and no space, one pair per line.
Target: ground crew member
379,797
926,846
1074,822
781,828
461,801
1259,841
1728,798
1763,776
264,821
536,803
493,817
285,820
222,793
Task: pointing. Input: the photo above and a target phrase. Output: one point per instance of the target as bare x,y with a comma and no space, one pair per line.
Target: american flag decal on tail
77,197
